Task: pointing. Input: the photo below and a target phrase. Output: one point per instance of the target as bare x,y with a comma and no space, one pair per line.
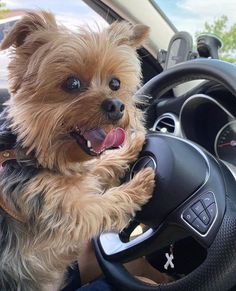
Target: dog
69,132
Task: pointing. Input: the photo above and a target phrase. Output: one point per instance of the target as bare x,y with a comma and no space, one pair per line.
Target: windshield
205,16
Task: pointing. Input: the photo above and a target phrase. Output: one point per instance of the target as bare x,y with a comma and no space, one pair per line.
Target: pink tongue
100,141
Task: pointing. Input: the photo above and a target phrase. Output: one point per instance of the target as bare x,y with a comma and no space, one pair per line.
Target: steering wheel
195,195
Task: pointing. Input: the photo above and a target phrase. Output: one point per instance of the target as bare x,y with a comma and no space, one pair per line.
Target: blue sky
56,6
70,12
171,7
190,15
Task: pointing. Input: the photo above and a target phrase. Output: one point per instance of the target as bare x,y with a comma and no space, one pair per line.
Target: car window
5,25
70,13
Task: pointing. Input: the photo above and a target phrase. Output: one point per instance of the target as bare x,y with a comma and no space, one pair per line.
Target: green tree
227,34
3,9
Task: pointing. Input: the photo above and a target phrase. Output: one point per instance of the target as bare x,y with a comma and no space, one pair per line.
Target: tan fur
81,196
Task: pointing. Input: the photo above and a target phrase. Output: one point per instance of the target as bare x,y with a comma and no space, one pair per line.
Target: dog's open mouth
96,141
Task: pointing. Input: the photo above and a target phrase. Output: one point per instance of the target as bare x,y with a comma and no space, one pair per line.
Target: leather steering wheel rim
217,272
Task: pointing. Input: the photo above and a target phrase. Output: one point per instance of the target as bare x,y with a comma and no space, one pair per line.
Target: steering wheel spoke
202,213
201,216
114,249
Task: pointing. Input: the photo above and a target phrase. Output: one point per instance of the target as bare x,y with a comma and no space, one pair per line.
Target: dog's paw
143,183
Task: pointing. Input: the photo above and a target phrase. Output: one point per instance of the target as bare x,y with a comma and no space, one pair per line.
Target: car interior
188,229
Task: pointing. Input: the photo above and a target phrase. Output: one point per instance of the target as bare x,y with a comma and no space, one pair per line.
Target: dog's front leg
113,209
113,166
82,210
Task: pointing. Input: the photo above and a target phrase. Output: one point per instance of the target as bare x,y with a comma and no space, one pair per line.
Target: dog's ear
29,24
125,33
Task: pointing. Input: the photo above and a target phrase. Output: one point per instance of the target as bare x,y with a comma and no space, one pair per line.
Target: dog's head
72,93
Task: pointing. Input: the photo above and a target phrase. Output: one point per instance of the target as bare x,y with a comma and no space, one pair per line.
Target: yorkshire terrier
68,134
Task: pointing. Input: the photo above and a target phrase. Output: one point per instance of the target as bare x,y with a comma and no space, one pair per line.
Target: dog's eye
72,84
114,84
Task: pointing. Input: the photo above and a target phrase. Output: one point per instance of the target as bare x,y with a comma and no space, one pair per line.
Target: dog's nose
114,108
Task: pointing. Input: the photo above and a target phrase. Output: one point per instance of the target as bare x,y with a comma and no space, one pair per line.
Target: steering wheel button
208,199
204,217
189,215
199,226
198,207
212,210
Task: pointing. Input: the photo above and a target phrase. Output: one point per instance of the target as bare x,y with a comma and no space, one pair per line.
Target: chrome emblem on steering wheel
143,162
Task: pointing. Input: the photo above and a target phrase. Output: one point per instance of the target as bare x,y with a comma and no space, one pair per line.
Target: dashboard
205,115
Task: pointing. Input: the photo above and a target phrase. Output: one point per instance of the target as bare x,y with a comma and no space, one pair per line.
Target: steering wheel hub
181,169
